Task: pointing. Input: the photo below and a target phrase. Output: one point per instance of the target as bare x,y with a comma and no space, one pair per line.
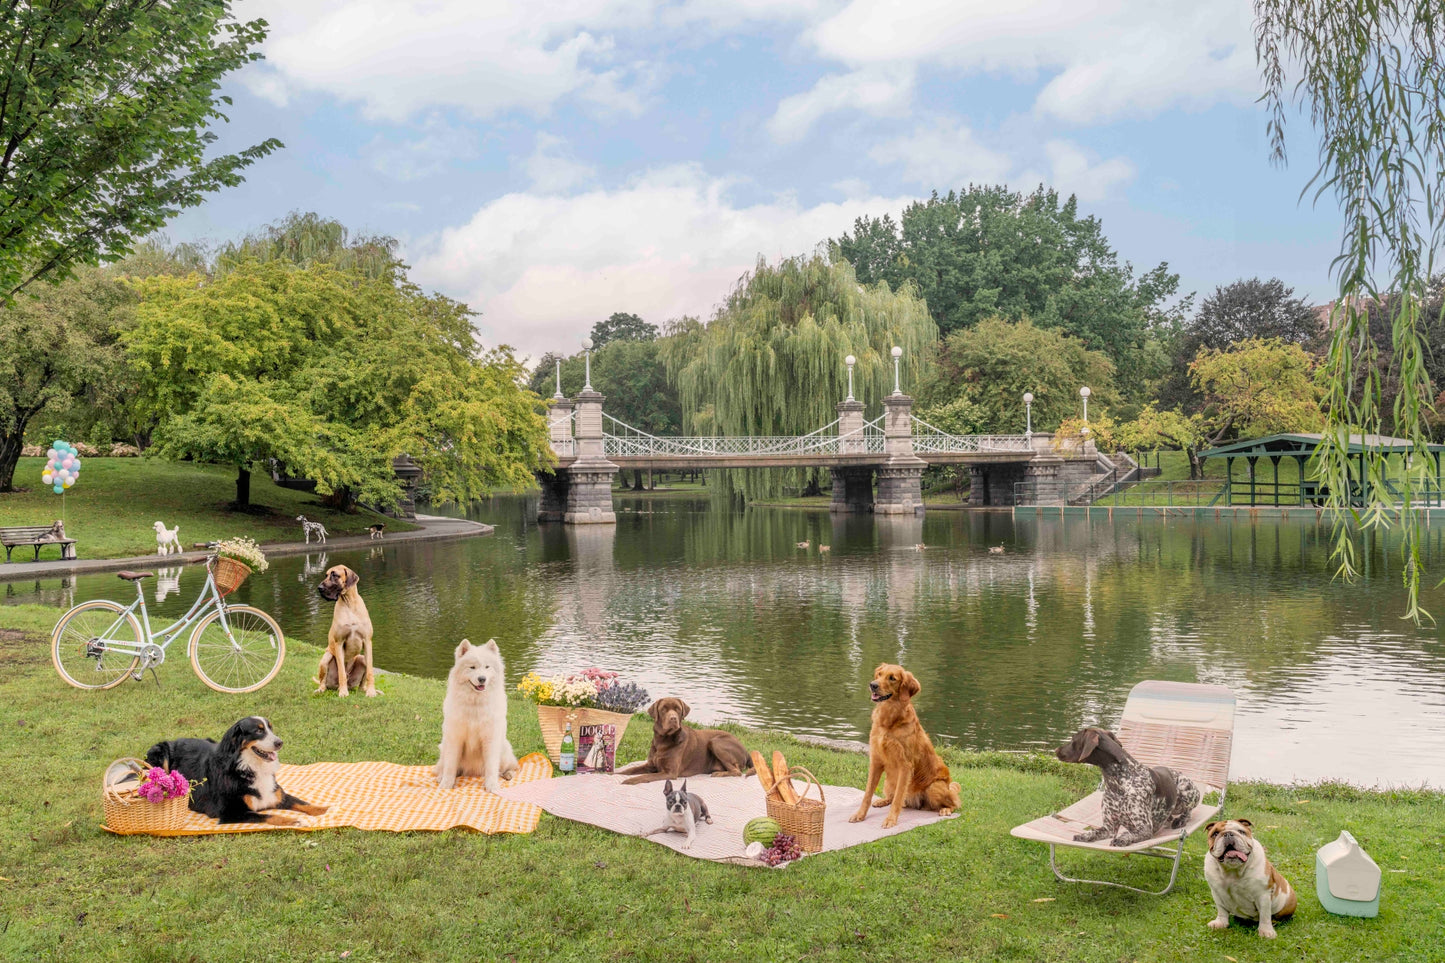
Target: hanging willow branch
1370,76
771,361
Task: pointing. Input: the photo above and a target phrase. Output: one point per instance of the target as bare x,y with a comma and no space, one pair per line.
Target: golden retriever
899,748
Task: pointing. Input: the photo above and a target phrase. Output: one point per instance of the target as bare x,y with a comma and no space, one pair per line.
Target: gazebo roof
1304,444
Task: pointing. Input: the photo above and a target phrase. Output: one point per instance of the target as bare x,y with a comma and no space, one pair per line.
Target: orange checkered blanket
392,798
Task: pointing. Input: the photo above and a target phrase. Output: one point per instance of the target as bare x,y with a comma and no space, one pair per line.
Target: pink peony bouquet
157,785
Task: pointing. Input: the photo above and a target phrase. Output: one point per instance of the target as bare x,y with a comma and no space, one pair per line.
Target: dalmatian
312,528
1138,800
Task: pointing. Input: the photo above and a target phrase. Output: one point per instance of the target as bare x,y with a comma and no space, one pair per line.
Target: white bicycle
233,648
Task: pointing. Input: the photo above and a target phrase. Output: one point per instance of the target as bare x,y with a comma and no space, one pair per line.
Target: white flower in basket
243,550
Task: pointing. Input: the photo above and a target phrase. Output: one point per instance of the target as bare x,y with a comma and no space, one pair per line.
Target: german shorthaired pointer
1138,800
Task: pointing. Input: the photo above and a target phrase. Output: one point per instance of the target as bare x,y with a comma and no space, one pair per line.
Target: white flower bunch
575,691
244,550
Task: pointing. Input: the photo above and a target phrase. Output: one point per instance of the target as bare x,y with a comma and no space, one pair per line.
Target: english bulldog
1242,880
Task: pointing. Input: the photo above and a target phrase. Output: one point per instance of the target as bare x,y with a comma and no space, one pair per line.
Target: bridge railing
621,439
927,438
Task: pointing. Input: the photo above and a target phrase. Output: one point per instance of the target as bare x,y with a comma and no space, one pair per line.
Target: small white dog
168,540
474,720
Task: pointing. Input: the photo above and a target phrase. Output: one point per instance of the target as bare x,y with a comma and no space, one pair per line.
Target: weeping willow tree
1370,75
771,361
307,239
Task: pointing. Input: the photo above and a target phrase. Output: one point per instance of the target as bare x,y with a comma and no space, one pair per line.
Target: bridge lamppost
1084,393
850,361
587,347
1028,415
559,379
897,353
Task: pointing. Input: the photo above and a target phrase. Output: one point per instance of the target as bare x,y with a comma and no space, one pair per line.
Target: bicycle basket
228,574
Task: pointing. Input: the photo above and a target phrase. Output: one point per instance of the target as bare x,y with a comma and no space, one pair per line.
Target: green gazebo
1255,490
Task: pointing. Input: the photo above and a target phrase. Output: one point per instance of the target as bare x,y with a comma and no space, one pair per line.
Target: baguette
785,784
765,775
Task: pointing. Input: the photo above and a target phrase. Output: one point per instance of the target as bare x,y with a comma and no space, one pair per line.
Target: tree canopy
988,252
994,363
330,374
771,361
106,121
620,326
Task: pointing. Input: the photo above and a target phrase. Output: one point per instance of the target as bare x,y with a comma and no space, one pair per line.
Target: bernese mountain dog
236,778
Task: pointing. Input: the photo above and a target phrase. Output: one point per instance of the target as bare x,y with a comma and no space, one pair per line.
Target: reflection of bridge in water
876,466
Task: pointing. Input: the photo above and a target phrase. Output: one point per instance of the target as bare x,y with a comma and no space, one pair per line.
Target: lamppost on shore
1028,416
897,353
1084,393
850,361
587,347
559,379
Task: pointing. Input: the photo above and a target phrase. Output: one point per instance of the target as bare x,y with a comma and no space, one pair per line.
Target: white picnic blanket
599,799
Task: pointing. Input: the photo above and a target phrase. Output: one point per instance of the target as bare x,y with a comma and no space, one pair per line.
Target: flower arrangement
158,785
589,689
244,550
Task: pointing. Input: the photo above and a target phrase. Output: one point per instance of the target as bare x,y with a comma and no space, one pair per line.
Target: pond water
1014,651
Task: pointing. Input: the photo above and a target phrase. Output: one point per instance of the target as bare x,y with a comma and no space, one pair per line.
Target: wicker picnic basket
554,719
804,821
127,813
228,574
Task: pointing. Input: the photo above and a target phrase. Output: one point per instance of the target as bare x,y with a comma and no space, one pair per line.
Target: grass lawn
961,890
117,500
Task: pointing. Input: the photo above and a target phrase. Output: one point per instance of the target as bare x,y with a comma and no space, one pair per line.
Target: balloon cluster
63,467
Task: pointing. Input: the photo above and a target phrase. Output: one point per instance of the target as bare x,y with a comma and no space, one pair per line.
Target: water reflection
1014,650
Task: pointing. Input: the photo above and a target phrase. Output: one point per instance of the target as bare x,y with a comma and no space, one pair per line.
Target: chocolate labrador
678,751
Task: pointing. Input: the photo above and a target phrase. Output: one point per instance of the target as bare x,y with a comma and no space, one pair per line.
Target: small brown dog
346,663
898,747
678,751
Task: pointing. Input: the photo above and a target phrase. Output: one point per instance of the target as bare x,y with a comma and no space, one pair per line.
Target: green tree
308,238
1256,387
1235,312
771,361
1156,429
989,252
994,363
330,374
106,119
621,327
57,345
1370,77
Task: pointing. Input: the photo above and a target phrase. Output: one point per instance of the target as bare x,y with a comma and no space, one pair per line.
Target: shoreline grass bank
959,890
117,500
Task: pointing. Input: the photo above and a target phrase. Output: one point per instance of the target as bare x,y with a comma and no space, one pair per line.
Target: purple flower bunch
157,785
621,697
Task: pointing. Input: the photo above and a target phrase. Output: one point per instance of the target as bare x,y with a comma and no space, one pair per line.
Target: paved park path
431,528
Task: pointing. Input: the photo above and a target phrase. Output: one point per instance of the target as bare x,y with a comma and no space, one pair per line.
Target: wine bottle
569,752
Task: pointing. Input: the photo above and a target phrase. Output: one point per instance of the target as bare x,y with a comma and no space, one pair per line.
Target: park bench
38,536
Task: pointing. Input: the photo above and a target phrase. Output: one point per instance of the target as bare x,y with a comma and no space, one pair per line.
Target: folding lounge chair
1185,726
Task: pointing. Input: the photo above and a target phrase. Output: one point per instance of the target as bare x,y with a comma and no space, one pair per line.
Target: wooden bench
39,536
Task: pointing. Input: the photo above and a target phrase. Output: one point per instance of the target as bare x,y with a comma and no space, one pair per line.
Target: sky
550,163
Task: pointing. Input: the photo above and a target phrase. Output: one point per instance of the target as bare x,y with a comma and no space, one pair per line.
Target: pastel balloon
59,489
52,454
59,444
68,462
76,466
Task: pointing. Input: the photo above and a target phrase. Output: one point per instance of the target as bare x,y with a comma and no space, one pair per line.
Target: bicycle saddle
134,576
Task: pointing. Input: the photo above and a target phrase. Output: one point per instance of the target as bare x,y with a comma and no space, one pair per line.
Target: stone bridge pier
580,494
899,473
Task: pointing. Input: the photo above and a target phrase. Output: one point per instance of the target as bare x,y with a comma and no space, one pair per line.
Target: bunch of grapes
784,850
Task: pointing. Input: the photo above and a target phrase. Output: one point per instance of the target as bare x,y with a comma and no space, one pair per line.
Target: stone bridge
876,466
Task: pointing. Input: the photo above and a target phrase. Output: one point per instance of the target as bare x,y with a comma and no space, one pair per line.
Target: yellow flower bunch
536,688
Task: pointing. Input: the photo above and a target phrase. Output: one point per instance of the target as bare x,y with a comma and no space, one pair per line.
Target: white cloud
943,153
552,168
1106,60
399,57
1076,172
874,91
542,268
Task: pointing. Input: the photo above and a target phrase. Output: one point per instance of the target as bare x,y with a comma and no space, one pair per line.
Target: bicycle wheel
243,661
94,645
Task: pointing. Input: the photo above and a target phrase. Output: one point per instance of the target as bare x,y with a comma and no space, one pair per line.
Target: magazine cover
596,748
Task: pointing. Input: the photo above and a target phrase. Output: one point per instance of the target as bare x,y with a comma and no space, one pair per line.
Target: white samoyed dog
474,719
